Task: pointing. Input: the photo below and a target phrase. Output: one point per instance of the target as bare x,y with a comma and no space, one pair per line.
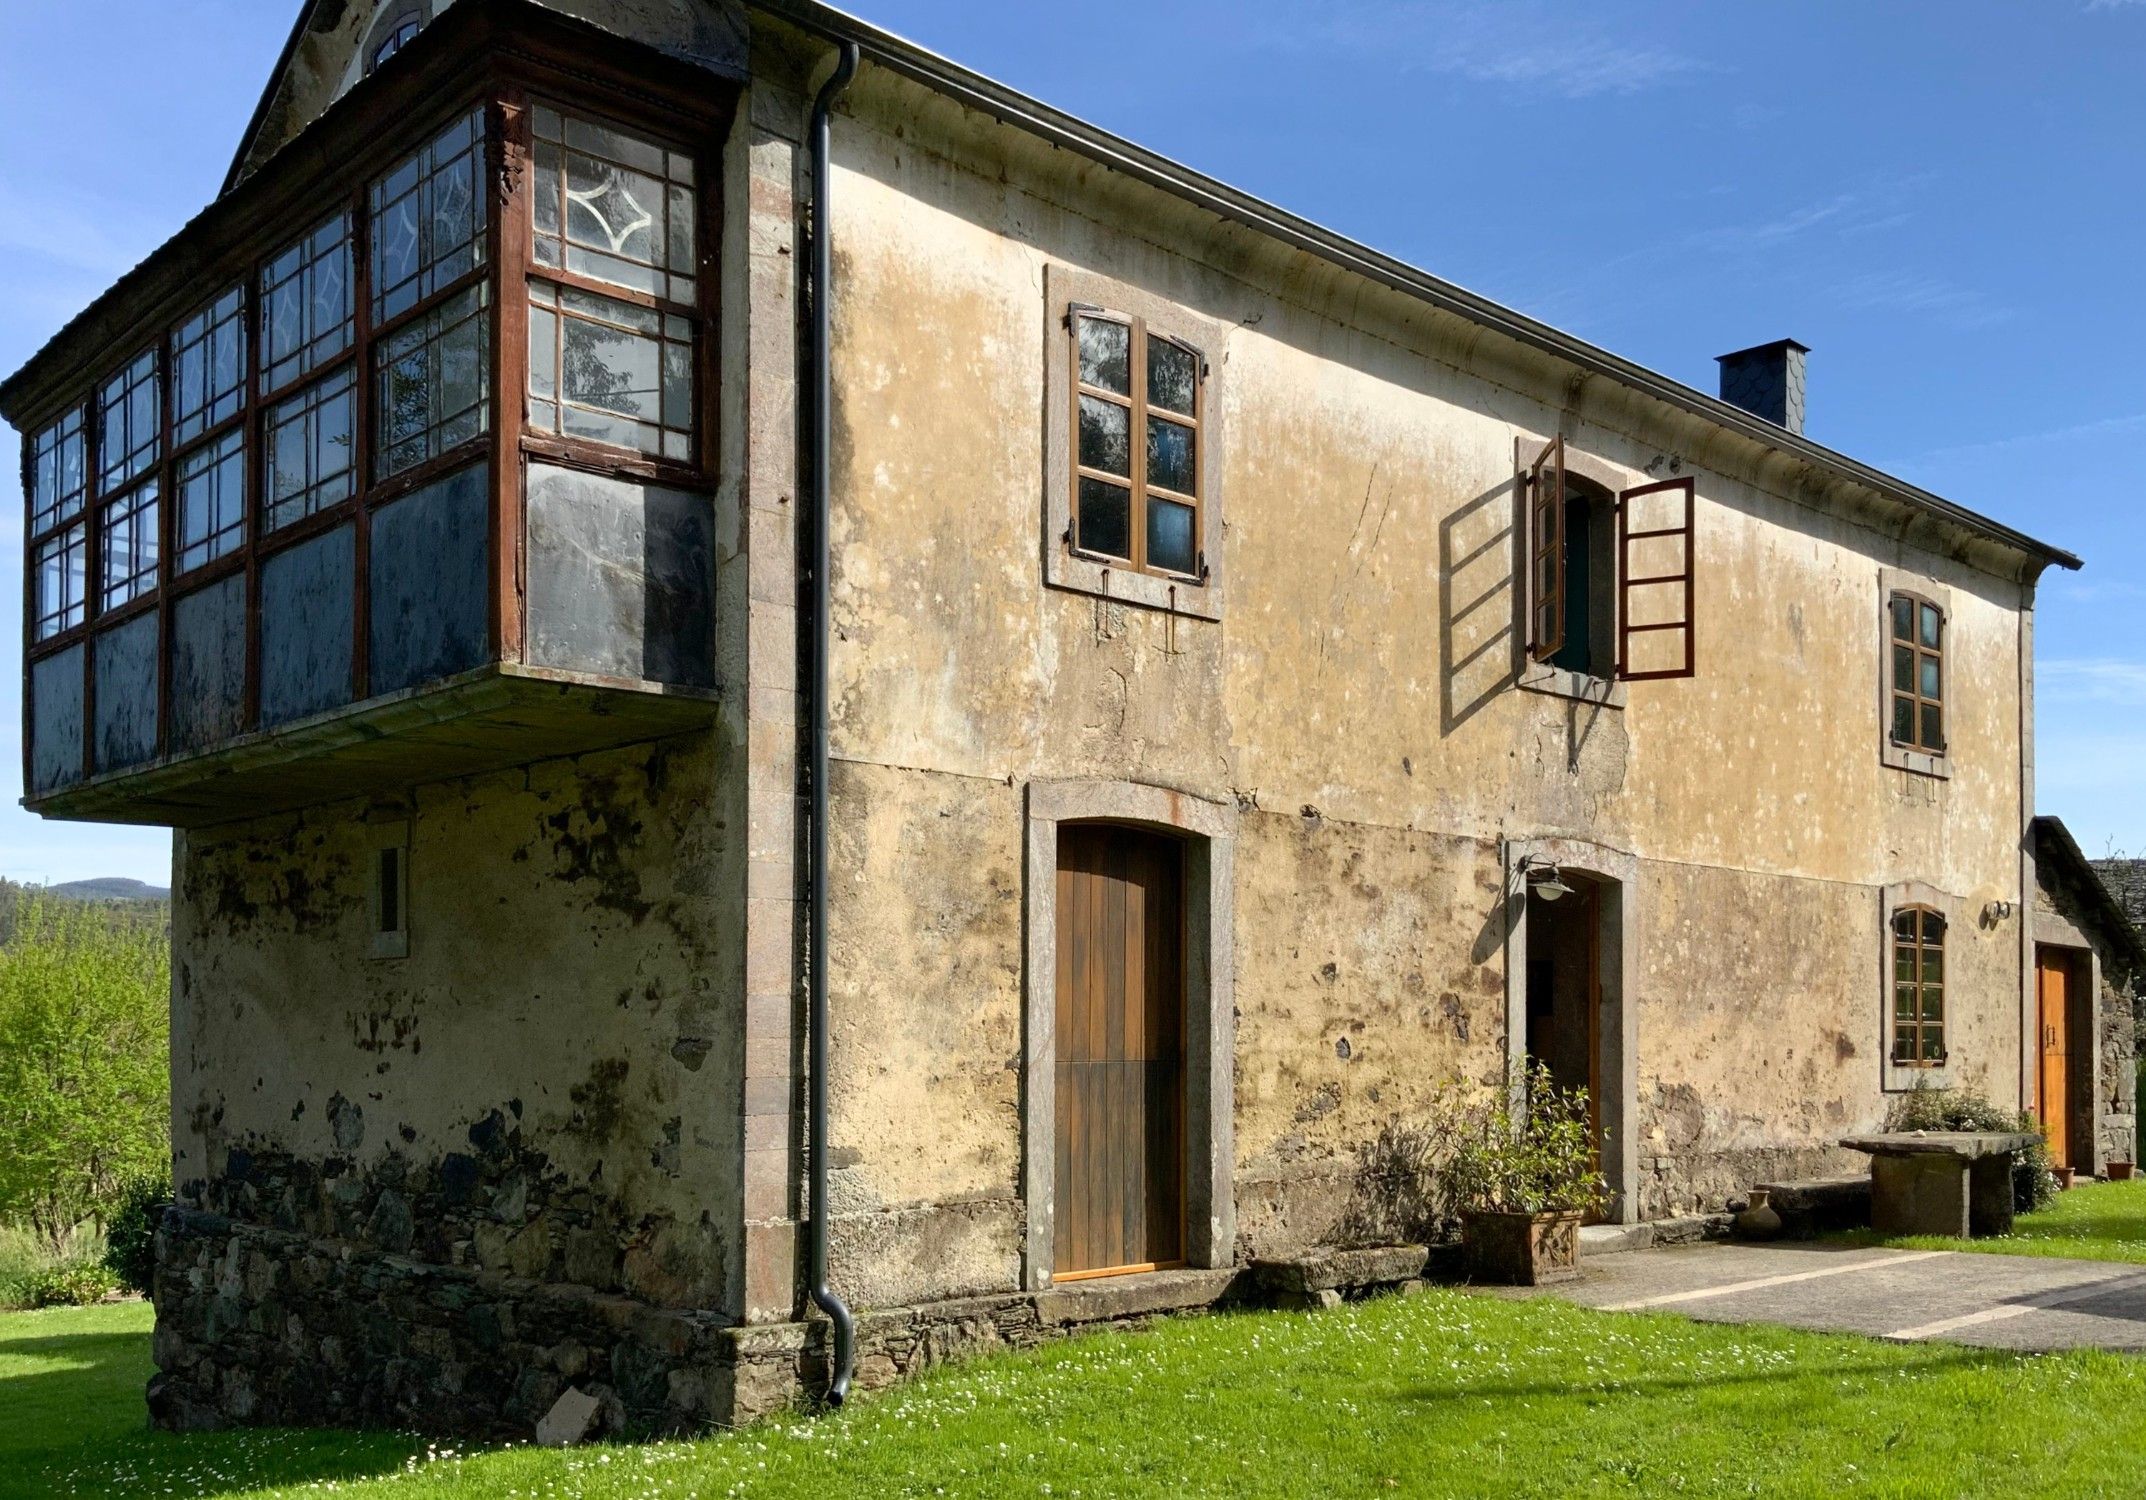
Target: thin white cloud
2093,679
2101,427
1516,46
75,233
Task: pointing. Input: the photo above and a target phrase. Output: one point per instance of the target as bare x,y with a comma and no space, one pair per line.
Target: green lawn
1447,1393
2094,1221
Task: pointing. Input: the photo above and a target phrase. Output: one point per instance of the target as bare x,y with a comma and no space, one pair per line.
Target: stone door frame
1209,832
1616,874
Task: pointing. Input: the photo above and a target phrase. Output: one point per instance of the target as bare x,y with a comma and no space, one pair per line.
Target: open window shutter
1656,559
1546,551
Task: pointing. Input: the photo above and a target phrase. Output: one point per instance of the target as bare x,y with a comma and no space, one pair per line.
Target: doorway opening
2065,1065
1564,989
1120,1066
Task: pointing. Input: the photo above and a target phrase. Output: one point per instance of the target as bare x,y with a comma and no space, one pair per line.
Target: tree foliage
85,1085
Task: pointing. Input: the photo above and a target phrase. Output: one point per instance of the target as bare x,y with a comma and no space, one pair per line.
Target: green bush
2033,1183
75,1285
1539,1161
85,1035
130,1233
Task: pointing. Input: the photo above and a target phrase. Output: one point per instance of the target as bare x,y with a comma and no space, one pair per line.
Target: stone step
1614,1239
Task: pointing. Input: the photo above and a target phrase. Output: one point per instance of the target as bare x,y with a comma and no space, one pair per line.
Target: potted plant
1520,1184
2122,1171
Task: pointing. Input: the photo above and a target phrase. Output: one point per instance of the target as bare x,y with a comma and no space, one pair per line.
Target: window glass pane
129,545
1933,1044
212,500
1106,436
132,422
1904,925
1932,622
59,472
428,218
306,304
1933,1003
1930,678
1170,456
1904,668
1932,729
610,371
1904,963
614,206
62,567
433,389
1903,1044
310,450
1170,536
1903,618
1933,965
1904,1002
405,32
1106,518
1904,720
1106,355
208,367
1173,372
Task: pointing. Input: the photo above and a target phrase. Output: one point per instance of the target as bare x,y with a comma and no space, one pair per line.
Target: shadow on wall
1478,645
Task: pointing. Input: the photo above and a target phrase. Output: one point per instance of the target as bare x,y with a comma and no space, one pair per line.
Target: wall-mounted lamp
1542,877
1995,912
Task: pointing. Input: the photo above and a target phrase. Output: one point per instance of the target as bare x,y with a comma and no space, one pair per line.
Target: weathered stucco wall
1357,701
545,1086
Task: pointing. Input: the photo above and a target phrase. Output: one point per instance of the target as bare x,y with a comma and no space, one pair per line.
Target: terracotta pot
1760,1221
2064,1177
1521,1249
2121,1171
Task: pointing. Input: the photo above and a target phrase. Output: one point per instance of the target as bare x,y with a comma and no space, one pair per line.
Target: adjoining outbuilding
2090,975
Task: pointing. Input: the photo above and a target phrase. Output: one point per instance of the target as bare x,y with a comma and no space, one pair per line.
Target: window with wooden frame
1630,576
1136,470
1918,987
1917,673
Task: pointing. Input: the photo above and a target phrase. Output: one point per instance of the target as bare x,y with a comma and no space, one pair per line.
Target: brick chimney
1767,381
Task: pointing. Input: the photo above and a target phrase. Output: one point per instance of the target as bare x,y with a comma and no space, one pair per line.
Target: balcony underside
485,720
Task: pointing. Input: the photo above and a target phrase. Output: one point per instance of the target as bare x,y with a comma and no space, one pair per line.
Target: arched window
391,33
1918,988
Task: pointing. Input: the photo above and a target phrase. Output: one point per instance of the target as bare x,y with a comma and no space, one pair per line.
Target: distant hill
110,888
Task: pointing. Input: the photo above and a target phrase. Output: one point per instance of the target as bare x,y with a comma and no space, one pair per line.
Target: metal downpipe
822,359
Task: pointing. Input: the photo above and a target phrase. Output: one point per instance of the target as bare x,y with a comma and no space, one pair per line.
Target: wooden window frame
1067,565
1919,653
462,62
1918,945
1893,582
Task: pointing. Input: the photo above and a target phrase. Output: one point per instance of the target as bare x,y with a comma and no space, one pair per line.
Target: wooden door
2052,976
1120,1051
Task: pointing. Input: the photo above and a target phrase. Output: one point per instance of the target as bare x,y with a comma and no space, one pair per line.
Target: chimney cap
1766,348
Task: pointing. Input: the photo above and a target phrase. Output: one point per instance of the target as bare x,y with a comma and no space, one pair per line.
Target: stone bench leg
1990,1196
1919,1194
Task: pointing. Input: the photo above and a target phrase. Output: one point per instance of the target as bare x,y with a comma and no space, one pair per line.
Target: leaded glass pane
128,545
428,219
61,567
130,423
306,305
212,500
613,206
434,388
610,371
208,367
59,472
310,450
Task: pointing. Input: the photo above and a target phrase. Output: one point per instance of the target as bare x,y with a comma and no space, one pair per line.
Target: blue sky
1942,199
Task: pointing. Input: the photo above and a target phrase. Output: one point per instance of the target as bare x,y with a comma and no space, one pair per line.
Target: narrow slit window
610,371
130,423
306,305
128,545
310,460
391,900
212,500
59,473
208,367
1916,684
1136,425
614,206
61,568
433,387
1918,1015
428,219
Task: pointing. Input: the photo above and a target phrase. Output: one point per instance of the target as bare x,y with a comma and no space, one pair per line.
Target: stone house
2090,969
786,677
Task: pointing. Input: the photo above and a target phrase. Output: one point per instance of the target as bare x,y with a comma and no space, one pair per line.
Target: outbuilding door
2063,1033
1120,1051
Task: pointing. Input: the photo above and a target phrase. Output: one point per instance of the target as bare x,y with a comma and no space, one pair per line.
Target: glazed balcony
396,464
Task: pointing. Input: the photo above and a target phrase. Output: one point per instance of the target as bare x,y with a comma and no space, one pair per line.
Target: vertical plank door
1120,1051
2052,985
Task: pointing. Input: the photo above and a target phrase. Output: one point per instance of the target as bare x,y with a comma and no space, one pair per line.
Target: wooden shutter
1544,491
1656,563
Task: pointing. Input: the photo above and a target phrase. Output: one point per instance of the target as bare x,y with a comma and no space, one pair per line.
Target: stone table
1949,1182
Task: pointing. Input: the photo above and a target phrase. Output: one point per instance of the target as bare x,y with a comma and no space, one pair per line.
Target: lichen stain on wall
531,1089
